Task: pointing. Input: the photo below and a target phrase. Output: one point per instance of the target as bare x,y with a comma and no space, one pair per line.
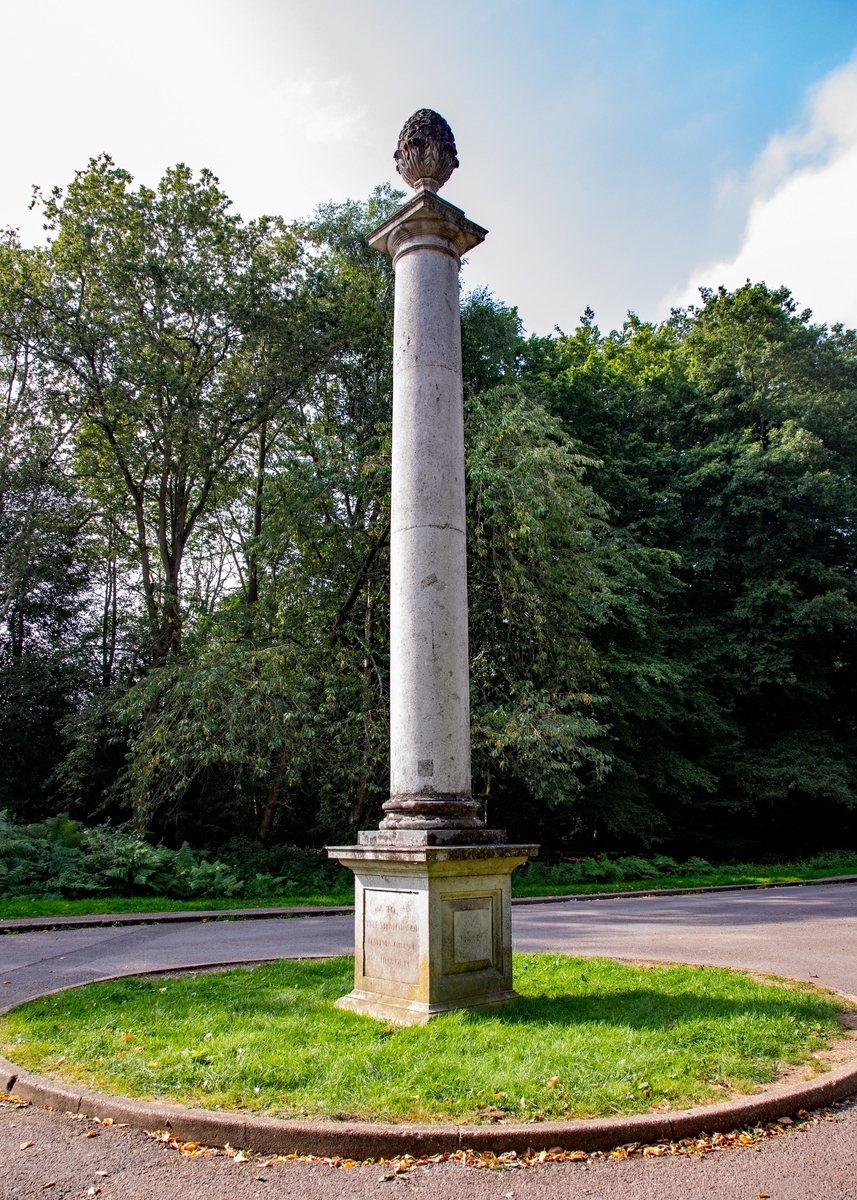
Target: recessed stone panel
472,935
391,935
468,934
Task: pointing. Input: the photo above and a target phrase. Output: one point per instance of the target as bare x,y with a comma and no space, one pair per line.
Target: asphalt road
802,933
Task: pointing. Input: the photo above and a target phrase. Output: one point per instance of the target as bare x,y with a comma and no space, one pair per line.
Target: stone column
429,676
433,920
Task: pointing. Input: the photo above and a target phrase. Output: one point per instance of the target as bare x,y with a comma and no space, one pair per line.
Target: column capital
427,222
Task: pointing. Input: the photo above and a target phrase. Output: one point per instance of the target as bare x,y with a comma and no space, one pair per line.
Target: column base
433,923
414,1012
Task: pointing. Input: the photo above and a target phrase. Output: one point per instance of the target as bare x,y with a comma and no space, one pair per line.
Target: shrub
59,858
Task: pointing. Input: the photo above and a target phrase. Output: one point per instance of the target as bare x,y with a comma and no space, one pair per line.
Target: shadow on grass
301,988
650,1009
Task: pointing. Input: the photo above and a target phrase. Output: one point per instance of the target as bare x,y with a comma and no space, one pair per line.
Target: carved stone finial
426,156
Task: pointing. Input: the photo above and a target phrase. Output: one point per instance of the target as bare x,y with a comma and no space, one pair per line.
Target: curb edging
182,917
271,1135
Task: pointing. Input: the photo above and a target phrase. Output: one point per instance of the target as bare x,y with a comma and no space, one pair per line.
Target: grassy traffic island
589,1037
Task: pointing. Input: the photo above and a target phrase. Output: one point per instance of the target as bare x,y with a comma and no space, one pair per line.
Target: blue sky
619,153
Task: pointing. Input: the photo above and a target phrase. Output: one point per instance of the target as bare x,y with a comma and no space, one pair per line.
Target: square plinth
432,927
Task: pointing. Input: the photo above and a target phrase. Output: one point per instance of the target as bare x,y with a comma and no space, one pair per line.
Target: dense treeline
194,480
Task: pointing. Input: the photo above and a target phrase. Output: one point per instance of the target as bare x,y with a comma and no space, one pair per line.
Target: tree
727,438
307,524
173,330
45,544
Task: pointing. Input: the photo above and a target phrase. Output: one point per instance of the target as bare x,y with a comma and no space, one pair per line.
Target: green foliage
661,871
59,858
588,1037
727,438
536,581
194,518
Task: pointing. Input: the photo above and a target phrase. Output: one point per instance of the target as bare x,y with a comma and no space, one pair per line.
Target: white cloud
802,224
319,110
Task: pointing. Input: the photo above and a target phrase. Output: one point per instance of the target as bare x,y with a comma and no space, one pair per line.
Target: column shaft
429,677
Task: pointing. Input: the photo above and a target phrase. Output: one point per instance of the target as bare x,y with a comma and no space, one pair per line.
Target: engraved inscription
472,935
391,935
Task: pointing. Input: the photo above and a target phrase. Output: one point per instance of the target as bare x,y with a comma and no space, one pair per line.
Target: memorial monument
432,884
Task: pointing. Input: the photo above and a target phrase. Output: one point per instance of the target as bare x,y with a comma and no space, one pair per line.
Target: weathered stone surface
387,839
433,892
444,226
432,928
429,670
390,932
426,154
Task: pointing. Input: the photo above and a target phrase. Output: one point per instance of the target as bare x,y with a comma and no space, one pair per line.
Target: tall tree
45,548
173,329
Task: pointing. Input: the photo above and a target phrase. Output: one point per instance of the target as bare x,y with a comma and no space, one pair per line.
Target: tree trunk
109,616
273,800
253,560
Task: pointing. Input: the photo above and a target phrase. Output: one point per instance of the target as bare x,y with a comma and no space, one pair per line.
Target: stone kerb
270,1135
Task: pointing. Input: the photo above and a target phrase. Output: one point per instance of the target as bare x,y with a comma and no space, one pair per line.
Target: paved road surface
798,932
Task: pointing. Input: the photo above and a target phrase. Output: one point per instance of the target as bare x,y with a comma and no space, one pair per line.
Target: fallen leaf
100,1174
25,1145
50,1183
92,1133
93,1191
162,989
553,1081
240,1157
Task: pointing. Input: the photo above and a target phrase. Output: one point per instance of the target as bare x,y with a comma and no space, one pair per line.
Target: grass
548,884
778,873
588,1037
47,906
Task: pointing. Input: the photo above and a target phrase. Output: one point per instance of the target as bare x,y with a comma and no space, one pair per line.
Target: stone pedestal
433,917
432,924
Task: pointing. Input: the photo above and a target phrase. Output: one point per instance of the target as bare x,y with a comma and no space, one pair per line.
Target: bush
59,858
660,867
606,870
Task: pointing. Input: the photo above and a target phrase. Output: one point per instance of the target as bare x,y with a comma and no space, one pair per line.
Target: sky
621,153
